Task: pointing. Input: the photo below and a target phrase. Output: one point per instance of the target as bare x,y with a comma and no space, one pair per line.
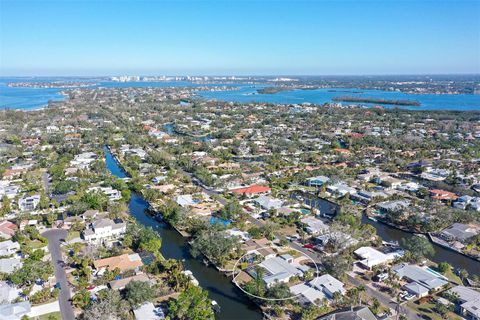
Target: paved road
54,236
384,299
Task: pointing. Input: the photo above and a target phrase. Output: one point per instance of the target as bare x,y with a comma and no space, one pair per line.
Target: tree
420,247
6,208
192,304
109,306
137,292
444,267
81,299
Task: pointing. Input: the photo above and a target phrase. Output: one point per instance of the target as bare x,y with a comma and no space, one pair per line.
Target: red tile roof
251,189
443,195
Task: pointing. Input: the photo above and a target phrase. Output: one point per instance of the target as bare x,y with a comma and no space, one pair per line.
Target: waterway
390,234
31,98
233,303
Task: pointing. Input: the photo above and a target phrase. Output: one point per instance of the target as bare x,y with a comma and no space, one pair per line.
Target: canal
390,234
233,303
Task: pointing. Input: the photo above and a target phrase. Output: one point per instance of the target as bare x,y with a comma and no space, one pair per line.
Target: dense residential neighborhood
289,207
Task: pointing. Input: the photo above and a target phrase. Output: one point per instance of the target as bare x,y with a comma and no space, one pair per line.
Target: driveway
54,236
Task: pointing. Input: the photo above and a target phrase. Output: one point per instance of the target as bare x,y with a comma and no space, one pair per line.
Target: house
148,311
267,202
14,311
251,190
111,193
103,230
8,292
367,196
9,247
421,280
278,269
314,226
307,295
121,283
29,203
460,232
317,181
392,206
371,257
8,190
443,195
84,160
468,301
259,247
7,229
328,285
123,262
9,265
341,189
186,200
360,313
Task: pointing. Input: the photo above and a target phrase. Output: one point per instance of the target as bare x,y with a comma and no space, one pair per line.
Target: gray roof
362,313
14,311
460,231
278,269
465,293
421,276
268,202
10,265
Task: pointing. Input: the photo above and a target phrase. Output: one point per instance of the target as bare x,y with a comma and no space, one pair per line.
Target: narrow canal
233,303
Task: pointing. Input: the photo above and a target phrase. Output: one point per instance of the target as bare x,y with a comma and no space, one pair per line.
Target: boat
215,306
372,218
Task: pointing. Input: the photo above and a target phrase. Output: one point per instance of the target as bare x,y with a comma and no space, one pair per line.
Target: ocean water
245,94
30,98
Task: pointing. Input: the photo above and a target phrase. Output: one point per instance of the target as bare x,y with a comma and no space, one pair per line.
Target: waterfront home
317,181
392,206
112,194
14,311
340,189
371,257
279,269
6,189
104,230
8,247
467,301
252,190
185,200
368,196
314,226
123,262
7,229
164,188
267,202
121,283
460,232
409,187
336,240
420,280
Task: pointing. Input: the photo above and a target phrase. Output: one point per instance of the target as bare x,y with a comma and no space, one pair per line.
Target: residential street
54,236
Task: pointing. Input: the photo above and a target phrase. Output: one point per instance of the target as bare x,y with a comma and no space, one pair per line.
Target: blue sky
239,37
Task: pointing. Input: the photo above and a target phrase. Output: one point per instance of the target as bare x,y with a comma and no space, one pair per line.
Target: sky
225,37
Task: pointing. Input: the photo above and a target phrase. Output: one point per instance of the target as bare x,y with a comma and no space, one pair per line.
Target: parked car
380,277
308,246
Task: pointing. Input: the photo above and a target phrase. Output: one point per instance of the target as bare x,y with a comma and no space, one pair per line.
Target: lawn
427,310
49,316
72,235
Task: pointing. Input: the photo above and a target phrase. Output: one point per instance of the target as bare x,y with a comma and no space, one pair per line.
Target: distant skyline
201,37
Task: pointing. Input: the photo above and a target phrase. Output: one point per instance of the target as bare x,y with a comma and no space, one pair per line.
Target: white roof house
185,200
8,247
8,292
267,202
147,311
29,203
84,160
278,270
112,194
421,280
328,285
372,257
9,265
103,230
307,294
314,225
14,311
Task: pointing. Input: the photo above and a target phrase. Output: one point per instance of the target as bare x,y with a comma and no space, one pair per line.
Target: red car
309,246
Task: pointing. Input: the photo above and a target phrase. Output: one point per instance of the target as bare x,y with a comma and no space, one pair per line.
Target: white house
112,194
314,226
29,203
84,160
8,247
8,292
104,230
372,257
